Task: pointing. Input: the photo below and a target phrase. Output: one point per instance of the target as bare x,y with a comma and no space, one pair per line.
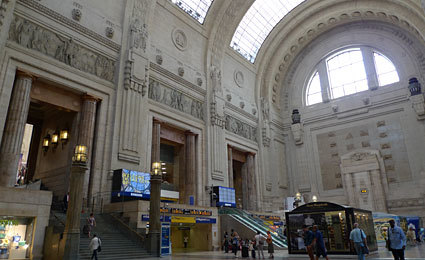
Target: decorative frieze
240,128
402,203
66,50
175,99
70,23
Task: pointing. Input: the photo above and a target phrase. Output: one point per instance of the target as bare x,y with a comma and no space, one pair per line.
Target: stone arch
314,18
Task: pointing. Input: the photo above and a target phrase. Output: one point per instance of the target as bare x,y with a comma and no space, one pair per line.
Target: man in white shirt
94,246
259,242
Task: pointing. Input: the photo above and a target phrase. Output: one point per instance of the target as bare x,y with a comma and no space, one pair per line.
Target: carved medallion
179,39
239,78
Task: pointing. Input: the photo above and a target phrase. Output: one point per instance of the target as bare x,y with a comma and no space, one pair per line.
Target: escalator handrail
279,241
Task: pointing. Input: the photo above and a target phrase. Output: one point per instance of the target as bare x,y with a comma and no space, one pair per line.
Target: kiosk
334,221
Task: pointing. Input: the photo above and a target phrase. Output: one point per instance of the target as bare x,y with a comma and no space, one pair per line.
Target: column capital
188,132
25,74
89,98
157,121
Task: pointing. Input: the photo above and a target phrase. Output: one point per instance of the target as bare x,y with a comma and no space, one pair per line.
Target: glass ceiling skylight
257,23
196,8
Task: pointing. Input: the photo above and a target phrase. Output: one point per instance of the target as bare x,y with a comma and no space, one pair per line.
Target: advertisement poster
165,239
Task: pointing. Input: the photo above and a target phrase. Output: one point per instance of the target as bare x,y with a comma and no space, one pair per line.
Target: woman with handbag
270,247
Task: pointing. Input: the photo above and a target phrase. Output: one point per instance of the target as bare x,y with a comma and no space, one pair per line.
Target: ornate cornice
70,23
242,112
176,78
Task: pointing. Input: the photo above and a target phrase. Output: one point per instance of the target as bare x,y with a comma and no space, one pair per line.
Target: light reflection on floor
412,253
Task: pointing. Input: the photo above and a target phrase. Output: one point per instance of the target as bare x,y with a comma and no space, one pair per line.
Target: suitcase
245,251
86,229
253,253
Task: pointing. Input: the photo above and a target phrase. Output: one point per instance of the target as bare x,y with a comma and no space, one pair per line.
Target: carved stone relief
139,34
179,39
34,37
239,78
368,136
3,9
109,32
240,128
76,14
175,99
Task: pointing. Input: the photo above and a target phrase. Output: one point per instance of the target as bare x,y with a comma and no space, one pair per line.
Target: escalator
254,224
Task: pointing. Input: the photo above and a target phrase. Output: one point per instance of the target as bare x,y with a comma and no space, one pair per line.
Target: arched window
348,72
198,9
314,92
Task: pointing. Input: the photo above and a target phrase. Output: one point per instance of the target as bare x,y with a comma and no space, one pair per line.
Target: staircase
255,224
115,244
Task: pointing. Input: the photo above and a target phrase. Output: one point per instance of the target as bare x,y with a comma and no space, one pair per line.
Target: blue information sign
165,239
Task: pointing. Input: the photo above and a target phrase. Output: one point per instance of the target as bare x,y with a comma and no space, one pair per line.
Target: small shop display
334,221
14,234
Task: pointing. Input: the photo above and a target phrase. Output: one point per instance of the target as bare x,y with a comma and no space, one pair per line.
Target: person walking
270,247
320,244
308,241
226,242
259,241
185,241
91,221
411,236
235,243
358,239
94,246
396,240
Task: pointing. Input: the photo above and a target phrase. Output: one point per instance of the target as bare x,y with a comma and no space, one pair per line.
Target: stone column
154,215
156,140
349,191
230,165
73,214
252,187
245,185
13,134
379,201
85,137
190,167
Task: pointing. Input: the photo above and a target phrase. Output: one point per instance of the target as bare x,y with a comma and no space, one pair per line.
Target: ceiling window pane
347,73
257,23
385,70
198,9
314,91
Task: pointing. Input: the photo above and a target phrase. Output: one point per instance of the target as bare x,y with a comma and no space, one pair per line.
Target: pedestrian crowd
249,246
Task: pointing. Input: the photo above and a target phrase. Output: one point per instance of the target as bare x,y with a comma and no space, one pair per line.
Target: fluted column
230,166
252,187
190,167
85,137
14,129
379,201
245,185
156,140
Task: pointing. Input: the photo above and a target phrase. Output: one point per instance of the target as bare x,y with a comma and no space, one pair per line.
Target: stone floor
412,253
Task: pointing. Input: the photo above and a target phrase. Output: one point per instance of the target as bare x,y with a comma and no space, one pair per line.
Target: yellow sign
363,191
176,219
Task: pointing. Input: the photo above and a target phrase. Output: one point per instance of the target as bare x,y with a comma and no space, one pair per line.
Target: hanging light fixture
55,139
64,136
45,144
80,154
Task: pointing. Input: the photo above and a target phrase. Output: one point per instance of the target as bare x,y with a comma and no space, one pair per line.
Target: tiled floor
413,253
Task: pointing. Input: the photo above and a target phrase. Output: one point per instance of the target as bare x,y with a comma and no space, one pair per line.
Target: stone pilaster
85,137
190,167
379,198
230,165
156,141
252,186
14,129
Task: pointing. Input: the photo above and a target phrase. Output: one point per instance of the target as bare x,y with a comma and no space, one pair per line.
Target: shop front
16,235
334,221
191,229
